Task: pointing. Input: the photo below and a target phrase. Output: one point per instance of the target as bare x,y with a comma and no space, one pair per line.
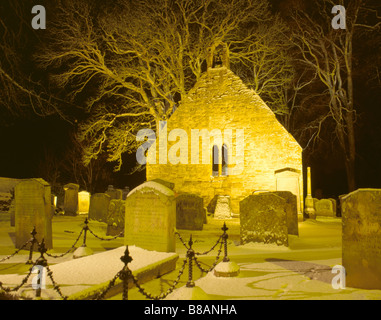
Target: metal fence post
126,272
34,240
190,256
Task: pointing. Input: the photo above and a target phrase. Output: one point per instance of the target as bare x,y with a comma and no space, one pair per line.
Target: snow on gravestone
115,217
150,218
223,208
263,219
33,209
361,236
190,212
99,204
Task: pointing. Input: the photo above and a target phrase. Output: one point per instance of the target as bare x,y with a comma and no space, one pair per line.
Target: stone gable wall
220,100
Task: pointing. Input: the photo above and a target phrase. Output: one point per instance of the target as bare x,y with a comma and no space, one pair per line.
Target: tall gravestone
33,209
115,217
99,203
114,193
71,199
361,238
83,202
263,219
150,218
190,212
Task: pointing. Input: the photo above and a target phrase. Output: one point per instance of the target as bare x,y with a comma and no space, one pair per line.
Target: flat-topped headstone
361,238
291,211
99,203
263,219
324,207
83,202
115,217
33,209
71,199
150,219
190,212
223,208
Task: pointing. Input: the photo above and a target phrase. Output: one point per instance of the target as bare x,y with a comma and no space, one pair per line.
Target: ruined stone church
234,145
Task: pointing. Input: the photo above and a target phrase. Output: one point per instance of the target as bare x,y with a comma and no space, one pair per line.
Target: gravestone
33,209
150,218
190,212
324,207
98,210
223,209
125,192
83,202
263,219
115,217
71,199
291,211
361,238
334,205
114,193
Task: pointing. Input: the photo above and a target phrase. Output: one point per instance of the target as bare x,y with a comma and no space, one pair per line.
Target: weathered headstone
324,207
291,211
83,202
114,193
33,209
263,219
190,212
223,209
71,199
115,217
361,238
334,205
150,219
99,203
125,192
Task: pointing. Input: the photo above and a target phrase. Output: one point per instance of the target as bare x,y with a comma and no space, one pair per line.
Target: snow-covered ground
301,271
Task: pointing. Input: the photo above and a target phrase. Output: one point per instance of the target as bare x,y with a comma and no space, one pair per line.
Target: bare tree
329,54
131,63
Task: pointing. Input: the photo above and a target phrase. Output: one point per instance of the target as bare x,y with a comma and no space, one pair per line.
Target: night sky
27,140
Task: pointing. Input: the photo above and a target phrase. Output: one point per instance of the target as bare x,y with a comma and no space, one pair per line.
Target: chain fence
125,275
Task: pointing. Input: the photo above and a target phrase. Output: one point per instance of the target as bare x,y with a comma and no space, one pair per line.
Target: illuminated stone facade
271,158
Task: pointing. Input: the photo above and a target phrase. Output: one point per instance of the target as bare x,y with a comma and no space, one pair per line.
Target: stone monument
264,219
33,209
190,212
71,199
361,236
99,203
150,218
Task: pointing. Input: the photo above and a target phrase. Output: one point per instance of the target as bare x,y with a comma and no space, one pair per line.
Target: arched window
215,163
224,170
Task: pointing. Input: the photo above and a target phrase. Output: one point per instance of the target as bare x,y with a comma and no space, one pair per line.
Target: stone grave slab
71,199
263,219
190,212
291,211
324,207
99,203
150,218
33,209
115,217
361,236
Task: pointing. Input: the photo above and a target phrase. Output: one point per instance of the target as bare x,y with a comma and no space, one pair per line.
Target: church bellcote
218,56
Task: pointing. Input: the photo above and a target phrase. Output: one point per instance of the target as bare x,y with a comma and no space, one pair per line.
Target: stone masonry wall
221,101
